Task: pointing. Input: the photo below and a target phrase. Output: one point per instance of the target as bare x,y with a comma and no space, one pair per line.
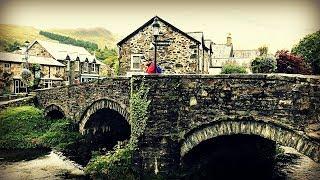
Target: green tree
263,64
12,47
309,49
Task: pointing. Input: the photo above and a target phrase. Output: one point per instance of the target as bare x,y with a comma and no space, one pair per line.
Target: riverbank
50,166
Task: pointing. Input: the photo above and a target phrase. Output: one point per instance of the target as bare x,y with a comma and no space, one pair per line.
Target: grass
20,127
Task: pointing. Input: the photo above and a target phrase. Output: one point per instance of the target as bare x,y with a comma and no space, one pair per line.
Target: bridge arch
281,135
54,111
100,104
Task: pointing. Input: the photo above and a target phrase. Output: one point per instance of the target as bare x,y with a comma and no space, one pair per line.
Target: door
16,86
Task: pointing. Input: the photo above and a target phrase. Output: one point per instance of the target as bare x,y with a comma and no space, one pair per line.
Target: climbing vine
118,163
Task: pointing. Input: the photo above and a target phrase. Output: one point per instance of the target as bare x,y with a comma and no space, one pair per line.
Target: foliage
233,69
264,64
5,79
26,77
263,50
60,135
118,164
68,40
10,47
20,127
291,64
116,68
309,49
108,56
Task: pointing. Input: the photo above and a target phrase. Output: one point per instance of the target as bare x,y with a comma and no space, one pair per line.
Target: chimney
229,40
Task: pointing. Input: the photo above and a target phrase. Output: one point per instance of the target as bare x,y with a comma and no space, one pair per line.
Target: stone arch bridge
186,110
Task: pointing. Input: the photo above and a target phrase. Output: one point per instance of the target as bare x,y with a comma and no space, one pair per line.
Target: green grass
233,69
20,127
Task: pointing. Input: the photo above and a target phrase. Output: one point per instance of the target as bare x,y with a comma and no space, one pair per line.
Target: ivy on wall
118,163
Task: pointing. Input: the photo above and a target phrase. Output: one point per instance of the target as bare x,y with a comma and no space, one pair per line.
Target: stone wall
37,50
74,100
25,101
176,58
181,105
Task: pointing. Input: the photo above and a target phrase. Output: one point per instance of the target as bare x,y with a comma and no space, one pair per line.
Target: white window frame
49,82
7,68
68,65
85,67
93,67
77,64
133,55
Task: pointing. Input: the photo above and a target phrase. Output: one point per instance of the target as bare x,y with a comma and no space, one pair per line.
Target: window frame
140,60
93,67
7,68
85,67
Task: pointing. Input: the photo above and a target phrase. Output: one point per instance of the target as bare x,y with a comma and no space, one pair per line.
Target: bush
60,135
263,64
20,127
233,69
291,64
117,164
309,49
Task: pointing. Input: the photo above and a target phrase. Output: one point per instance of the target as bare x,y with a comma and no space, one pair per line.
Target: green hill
12,33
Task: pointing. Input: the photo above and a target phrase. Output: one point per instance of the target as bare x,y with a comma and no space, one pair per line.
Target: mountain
11,33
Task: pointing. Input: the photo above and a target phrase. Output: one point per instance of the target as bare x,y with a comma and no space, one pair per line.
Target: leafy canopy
309,49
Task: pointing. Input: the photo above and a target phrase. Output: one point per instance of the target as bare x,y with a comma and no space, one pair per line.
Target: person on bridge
151,68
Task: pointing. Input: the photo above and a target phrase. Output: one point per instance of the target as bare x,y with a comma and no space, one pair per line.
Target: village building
81,66
225,53
11,65
185,54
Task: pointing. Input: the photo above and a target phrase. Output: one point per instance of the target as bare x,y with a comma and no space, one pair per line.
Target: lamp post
156,30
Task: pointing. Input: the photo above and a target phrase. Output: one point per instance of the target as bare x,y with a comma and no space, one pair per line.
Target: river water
53,165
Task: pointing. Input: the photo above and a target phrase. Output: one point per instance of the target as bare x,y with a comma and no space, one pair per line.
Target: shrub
291,64
60,135
263,64
233,69
20,127
309,49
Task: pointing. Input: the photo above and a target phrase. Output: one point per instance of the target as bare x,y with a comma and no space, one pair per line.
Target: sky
279,24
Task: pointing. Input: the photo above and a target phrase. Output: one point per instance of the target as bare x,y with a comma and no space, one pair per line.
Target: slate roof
19,58
198,37
221,51
60,51
149,23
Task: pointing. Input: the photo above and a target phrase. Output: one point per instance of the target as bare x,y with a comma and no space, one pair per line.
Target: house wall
175,58
37,50
15,69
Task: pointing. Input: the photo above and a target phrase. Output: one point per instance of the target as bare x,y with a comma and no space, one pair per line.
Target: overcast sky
252,23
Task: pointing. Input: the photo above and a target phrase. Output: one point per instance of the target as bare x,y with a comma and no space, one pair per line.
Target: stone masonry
186,110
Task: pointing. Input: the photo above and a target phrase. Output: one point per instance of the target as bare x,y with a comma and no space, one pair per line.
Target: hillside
11,33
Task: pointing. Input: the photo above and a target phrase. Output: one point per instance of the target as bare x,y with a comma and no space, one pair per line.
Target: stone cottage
11,65
183,55
79,63
225,53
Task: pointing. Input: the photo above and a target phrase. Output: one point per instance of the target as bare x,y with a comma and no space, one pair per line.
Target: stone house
11,65
183,55
79,63
225,53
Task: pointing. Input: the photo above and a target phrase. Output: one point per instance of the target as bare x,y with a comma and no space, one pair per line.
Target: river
53,165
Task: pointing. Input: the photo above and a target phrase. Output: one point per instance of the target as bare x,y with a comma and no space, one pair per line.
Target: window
68,65
93,67
77,66
7,66
85,67
136,61
47,83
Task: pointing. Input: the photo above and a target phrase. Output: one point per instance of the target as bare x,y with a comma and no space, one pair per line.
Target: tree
26,77
291,64
264,64
263,50
12,47
309,49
